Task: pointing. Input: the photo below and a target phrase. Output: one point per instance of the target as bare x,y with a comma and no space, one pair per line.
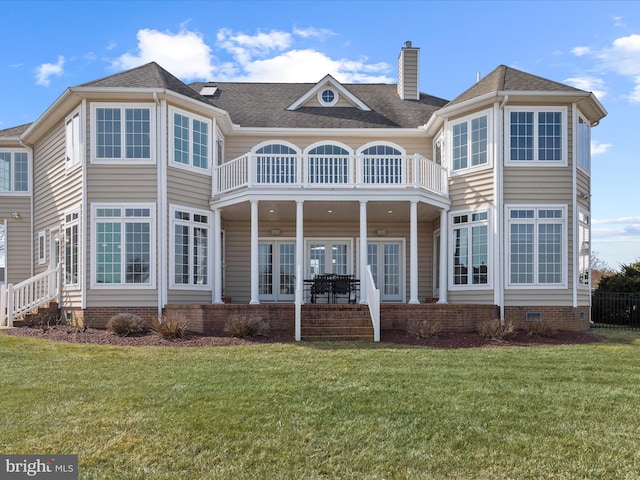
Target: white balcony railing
316,171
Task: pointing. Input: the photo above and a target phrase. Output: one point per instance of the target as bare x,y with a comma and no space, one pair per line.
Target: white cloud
580,51
618,220
185,54
590,84
623,56
320,33
617,21
45,71
598,148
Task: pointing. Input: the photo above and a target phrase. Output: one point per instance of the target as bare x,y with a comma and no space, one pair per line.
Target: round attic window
327,97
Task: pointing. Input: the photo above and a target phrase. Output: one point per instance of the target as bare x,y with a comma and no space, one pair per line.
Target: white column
363,251
217,257
413,253
254,254
444,242
299,240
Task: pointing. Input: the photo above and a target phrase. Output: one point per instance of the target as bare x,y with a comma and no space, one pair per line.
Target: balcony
331,171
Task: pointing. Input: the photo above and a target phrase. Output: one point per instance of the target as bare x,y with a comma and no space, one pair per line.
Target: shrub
173,325
42,318
241,326
495,329
125,324
423,328
540,328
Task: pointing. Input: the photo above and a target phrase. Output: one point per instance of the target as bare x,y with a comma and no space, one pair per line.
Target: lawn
326,410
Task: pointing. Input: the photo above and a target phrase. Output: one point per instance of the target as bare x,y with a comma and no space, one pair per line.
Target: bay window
470,248
123,133
190,247
536,135
537,245
470,142
191,139
123,247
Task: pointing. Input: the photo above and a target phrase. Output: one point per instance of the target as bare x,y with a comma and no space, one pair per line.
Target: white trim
276,273
578,249
323,102
328,241
123,160
210,140
151,219
381,241
173,221
563,162
435,274
535,221
333,143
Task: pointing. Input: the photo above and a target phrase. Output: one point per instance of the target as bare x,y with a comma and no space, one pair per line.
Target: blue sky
51,45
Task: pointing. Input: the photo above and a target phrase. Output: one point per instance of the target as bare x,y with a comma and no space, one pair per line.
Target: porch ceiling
332,211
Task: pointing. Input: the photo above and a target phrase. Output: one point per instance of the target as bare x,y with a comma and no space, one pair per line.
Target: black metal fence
616,310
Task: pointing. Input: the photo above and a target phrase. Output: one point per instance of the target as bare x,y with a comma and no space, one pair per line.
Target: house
140,193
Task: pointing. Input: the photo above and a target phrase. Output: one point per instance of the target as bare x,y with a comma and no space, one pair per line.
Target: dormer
328,92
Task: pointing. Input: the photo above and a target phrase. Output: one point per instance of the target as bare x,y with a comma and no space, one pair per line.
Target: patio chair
322,284
342,287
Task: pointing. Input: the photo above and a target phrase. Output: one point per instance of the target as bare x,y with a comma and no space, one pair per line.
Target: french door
387,267
329,256
276,263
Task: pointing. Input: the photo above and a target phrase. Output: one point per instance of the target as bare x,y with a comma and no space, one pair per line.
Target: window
470,142
382,164
537,245
327,97
536,136
191,140
123,133
328,164
71,249
42,247
14,171
470,237
276,163
584,249
72,129
584,144
123,246
190,247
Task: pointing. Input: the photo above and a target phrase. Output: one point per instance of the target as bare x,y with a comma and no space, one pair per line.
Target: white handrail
373,300
28,295
298,302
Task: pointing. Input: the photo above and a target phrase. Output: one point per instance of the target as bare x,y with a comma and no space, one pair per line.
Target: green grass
326,410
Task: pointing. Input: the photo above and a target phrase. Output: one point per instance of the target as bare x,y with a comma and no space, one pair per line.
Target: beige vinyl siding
238,248
472,191
186,297
188,189
342,100
18,248
56,192
536,297
538,185
583,184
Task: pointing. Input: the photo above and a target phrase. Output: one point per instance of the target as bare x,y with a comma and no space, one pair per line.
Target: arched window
328,164
276,163
382,164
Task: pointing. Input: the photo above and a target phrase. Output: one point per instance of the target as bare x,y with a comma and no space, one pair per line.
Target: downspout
499,192
31,216
162,208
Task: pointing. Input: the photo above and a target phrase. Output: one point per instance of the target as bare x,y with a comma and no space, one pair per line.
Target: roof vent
208,90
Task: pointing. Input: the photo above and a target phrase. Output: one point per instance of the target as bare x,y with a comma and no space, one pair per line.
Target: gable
328,92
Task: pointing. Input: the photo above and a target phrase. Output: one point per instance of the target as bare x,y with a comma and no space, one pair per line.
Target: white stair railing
373,300
298,302
17,300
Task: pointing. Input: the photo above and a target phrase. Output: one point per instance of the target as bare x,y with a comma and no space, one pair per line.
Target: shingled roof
14,131
265,105
505,78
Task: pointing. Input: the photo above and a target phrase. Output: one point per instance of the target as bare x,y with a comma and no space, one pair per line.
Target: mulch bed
399,337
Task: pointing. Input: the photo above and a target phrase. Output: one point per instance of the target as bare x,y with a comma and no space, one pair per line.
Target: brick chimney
408,65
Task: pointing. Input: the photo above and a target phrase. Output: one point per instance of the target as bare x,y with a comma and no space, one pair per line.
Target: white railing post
373,299
10,305
3,305
298,301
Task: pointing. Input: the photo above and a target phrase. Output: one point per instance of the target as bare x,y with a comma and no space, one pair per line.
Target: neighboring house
152,193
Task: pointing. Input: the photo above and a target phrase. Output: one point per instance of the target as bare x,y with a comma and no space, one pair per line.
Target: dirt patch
401,337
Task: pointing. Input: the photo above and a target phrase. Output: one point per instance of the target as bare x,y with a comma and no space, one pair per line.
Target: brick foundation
562,318
97,317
